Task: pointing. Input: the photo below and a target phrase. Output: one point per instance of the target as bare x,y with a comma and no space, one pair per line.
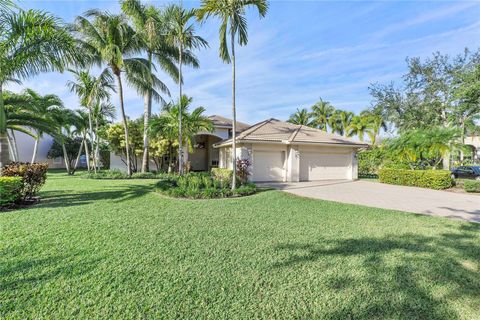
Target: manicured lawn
115,250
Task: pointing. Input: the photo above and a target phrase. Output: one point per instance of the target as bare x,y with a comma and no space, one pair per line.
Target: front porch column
293,164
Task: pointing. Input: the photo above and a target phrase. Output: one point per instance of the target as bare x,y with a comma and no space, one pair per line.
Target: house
282,151
204,157
473,141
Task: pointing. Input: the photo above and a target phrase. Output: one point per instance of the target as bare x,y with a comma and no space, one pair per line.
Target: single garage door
268,165
324,166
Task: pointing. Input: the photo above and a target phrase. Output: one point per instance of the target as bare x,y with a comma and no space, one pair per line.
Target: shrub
144,175
223,176
243,170
471,185
33,176
10,190
107,174
433,179
199,186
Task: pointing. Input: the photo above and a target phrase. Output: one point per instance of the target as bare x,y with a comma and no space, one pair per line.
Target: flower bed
201,186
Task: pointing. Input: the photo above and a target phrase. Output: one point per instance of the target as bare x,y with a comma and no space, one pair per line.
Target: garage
324,166
268,165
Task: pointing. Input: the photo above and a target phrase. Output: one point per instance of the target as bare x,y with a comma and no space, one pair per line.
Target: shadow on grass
403,277
71,198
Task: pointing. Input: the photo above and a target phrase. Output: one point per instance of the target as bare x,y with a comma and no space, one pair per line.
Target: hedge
432,179
471,185
33,176
10,190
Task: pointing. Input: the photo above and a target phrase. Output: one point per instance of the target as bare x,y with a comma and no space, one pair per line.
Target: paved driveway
379,195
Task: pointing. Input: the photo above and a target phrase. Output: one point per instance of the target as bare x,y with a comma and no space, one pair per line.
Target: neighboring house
474,143
204,156
282,151
25,144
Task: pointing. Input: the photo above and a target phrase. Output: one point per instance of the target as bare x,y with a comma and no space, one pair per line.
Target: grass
112,249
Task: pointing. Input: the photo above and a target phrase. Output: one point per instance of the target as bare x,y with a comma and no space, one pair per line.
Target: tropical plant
321,113
344,118
376,124
359,126
152,25
91,90
108,38
233,22
64,120
302,117
167,126
181,35
31,42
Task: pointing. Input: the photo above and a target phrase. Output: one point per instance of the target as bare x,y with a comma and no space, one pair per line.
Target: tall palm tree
64,120
80,126
302,117
321,113
345,118
102,113
109,39
31,42
359,126
167,125
181,35
232,14
152,25
42,106
91,90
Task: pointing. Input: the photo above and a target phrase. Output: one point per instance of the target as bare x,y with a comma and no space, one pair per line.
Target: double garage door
314,165
324,166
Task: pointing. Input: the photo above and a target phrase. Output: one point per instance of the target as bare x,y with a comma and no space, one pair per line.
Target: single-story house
282,151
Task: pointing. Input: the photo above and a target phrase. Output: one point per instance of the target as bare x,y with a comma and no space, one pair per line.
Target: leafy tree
302,117
232,14
321,113
72,145
115,135
31,42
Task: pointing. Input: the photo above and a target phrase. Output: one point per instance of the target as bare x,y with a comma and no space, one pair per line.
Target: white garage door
268,165
324,166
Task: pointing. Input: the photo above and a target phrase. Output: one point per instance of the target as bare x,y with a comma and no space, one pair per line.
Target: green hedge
10,190
432,179
471,185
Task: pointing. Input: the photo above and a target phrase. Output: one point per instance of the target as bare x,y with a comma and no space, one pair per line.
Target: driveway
374,194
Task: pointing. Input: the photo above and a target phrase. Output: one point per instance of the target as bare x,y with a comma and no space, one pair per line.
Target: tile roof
274,130
225,122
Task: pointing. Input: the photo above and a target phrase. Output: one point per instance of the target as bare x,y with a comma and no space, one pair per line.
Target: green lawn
114,249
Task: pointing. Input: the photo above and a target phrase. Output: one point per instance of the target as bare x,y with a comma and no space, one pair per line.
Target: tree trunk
125,124
97,145
65,158
10,148
87,155
180,138
16,157
234,117
78,156
35,148
147,112
90,125
4,148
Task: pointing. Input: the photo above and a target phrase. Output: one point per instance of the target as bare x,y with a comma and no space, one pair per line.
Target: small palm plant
234,25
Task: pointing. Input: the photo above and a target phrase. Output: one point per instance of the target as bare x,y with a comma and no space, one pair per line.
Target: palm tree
152,26
108,38
42,106
31,42
64,120
80,124
167,126
344,118
20,116
359,126
302,117
91,90
181,35
321,113
102,112
232,14
377,123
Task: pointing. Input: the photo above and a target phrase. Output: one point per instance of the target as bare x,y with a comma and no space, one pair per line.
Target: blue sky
301,51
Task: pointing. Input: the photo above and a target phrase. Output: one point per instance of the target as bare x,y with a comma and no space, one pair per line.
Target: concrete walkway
374,194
